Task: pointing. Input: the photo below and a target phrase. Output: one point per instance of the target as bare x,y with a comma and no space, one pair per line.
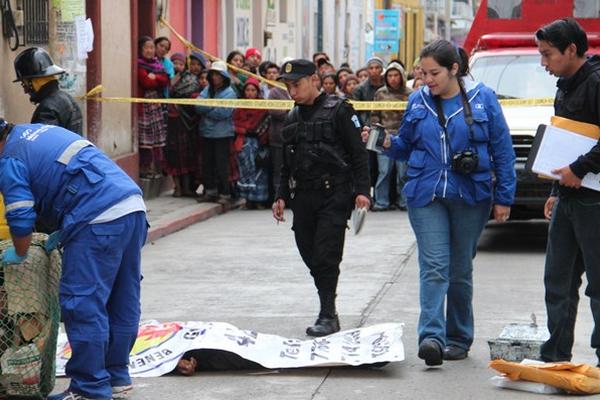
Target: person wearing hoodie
450,192
394,90
573,211
216,129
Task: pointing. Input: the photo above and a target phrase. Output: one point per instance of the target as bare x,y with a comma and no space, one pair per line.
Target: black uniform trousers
320,218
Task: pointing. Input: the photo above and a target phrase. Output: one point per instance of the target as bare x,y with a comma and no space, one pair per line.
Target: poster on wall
243,24
387,33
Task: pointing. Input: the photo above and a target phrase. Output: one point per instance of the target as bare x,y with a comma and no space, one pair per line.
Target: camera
465,162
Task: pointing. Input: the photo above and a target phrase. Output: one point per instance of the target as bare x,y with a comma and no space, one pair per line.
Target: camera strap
466,111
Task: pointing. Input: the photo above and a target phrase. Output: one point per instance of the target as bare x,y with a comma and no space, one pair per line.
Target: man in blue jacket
50,172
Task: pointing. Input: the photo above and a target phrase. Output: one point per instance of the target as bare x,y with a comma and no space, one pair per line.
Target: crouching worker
50,172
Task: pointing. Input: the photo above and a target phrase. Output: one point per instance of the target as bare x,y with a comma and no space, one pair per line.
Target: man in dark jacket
573,211
325,173
39,77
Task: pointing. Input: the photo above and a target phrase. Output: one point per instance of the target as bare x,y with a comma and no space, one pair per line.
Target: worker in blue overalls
51,172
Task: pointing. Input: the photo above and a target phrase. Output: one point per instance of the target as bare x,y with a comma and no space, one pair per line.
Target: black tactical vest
312,150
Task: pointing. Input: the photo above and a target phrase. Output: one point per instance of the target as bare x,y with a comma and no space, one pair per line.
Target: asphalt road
244,269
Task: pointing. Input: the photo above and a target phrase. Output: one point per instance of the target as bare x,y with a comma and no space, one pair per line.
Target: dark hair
561,33
330,75
162,38
358,71
320,53
266,66
142,41
270,65
345,65
232,54
343,69
447,54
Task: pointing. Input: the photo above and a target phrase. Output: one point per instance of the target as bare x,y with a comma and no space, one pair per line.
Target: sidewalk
168,214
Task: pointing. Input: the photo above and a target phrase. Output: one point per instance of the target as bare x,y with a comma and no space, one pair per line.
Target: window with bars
36,21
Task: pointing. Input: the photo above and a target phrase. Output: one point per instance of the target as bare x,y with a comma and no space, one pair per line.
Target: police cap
296,69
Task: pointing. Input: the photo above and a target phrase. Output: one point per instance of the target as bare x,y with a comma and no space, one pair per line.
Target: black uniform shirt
347,130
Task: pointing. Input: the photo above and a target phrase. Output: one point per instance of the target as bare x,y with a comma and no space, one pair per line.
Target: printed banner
159,347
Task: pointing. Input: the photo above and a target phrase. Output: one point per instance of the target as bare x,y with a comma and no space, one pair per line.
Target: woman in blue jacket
216,128
455,139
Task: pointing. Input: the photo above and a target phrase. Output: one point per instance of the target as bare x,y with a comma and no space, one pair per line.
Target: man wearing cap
54,174
39,77
253,59
325,173
366,90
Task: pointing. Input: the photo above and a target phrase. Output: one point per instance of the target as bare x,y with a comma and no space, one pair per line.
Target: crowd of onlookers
238,152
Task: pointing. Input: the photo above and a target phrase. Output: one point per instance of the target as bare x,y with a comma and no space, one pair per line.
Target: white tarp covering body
161,345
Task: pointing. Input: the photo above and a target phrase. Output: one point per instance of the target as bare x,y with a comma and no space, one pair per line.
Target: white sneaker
121,392
68,396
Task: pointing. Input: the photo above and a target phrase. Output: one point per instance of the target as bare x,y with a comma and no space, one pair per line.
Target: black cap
296,69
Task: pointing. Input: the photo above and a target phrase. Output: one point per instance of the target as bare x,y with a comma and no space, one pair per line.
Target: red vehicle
528,16
504,56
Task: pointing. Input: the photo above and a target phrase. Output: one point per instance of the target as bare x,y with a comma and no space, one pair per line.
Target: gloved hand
10,256
52,242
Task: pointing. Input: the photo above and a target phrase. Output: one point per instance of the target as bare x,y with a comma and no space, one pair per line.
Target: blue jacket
424,144
50,172
216,122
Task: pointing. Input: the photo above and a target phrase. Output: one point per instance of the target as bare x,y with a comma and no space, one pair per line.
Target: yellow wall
413,29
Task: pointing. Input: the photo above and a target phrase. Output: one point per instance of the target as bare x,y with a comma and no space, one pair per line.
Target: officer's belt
72,150
324,182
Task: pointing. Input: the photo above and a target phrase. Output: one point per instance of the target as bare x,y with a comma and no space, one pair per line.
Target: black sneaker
324,327
431,352
452,353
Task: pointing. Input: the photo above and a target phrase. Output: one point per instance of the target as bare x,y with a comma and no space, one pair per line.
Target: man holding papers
574,211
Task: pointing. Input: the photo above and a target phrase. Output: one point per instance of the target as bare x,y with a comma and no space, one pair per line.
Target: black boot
328,321
324,327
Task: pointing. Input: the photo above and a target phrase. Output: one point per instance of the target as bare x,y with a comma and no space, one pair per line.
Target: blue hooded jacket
423,142
217,122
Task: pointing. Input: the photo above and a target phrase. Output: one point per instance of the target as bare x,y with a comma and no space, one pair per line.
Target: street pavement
243,268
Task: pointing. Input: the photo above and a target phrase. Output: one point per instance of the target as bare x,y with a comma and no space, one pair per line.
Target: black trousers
571,251
320,218
215,165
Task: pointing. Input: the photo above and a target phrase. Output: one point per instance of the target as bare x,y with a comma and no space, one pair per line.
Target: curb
181,219
171,224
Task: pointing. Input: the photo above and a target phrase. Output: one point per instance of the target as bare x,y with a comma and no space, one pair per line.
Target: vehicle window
514,76
504,9
586,8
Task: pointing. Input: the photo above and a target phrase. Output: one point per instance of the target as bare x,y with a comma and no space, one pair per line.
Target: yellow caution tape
191,46
263,104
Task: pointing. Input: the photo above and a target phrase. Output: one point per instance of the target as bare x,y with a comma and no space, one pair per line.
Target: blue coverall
50,172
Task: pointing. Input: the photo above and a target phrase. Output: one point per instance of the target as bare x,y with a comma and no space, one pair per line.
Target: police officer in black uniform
39,77
325,173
